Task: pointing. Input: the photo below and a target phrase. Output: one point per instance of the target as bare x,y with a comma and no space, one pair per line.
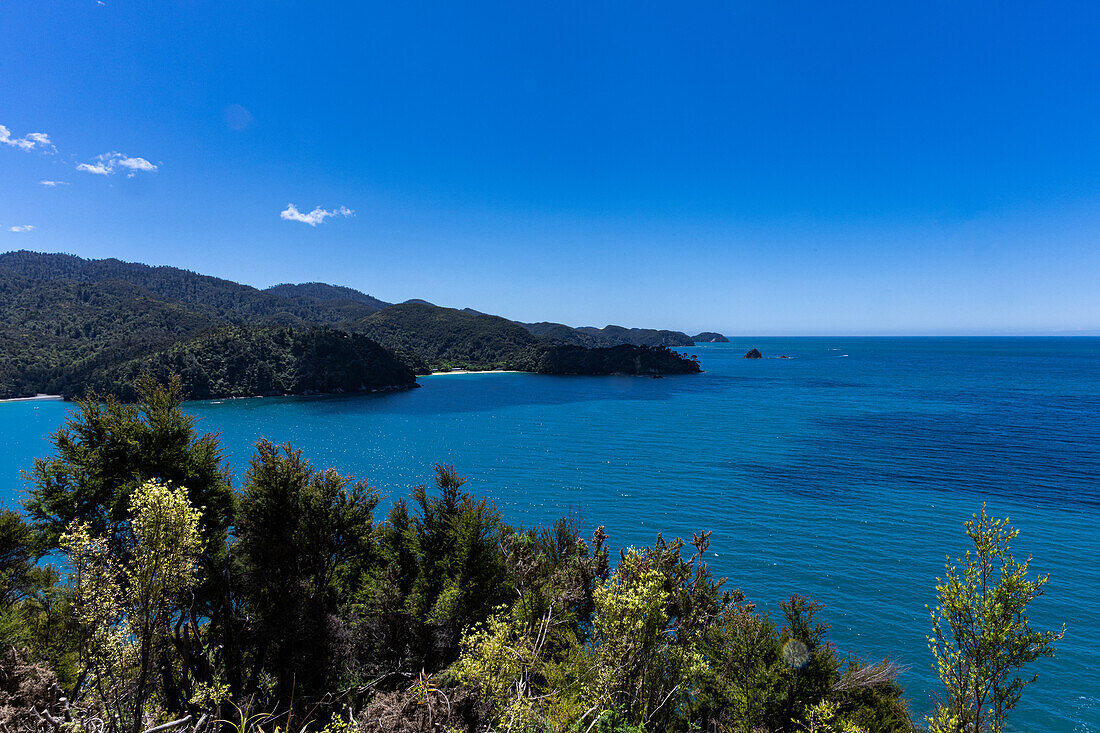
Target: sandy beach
36,398
465,371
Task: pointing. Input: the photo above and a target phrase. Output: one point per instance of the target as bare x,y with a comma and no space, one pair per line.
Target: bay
843,473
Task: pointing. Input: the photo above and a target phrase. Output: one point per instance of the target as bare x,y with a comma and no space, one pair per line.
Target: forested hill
324,291
222,299
54,333
68,324
237,361
609,335
445,338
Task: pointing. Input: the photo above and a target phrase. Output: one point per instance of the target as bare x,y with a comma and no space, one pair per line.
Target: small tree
981,635
304,541
127,609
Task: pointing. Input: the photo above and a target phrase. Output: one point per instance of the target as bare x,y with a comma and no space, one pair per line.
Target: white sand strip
36,398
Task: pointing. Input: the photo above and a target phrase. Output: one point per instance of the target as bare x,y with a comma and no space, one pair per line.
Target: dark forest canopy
69,324
624,359
238,361
324,291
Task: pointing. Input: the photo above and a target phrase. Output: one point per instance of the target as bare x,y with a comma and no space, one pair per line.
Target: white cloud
314,217
52,184
100,169
22,228
136,164
28,142
108,163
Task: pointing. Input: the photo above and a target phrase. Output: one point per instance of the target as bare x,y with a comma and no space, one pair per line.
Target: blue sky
752,168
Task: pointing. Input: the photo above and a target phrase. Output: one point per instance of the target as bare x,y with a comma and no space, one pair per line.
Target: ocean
844,473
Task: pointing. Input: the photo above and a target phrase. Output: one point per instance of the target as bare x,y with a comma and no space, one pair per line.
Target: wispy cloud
109,163
22,228
314,217
28,142
52,184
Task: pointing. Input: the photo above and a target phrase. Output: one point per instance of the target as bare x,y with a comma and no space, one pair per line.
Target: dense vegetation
324,291
68,324
224,300
290,604
445,338
53,334
625,359
236,361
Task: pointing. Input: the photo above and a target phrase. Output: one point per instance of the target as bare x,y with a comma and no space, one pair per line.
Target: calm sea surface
844,473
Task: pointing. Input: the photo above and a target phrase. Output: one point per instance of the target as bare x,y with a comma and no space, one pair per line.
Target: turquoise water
844,473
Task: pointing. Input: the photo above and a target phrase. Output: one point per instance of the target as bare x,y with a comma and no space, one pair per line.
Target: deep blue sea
844,473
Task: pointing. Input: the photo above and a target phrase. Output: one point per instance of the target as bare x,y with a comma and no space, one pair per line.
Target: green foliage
126,609
615,721
981,634
304,540
461,575
824,717
441,615
104,454
526,659
32,604
17,568
107,449
660,646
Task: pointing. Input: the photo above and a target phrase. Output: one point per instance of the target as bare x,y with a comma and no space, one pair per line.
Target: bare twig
168,726
870,676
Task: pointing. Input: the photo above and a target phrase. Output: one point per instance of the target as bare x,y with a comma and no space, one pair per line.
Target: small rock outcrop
754,354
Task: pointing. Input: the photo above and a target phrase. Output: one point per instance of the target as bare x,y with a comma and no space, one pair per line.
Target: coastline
36,398
474,371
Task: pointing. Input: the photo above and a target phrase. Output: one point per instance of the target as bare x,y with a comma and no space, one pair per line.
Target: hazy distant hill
609,335
709,337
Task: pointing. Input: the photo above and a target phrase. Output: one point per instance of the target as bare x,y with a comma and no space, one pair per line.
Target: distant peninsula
70,326
709,337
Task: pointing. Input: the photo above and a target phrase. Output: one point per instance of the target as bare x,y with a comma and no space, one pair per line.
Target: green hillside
445,338
236,361
224,300
53,334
